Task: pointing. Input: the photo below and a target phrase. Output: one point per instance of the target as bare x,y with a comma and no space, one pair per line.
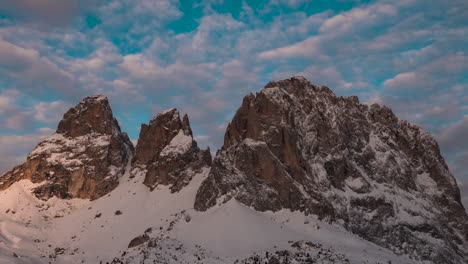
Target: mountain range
303,176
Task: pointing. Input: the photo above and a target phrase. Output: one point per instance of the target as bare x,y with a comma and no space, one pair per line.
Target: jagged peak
286,82
92,115
96,97
186,125
170,113
90,100
297,85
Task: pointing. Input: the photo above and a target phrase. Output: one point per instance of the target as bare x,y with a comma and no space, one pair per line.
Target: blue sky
204,56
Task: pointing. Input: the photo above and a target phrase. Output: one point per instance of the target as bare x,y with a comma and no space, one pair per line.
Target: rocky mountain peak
92,115
156,135
83,159
298,146
186,125
166,152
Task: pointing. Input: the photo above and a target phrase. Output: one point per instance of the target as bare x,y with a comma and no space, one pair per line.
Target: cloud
19,112
308,48
430,76
406,79
51,12
141,68
15,147
26,66
14,117
289,3
394,40
144,67
357,17
337,26
132,24
455,137
7,98
50,112
310,23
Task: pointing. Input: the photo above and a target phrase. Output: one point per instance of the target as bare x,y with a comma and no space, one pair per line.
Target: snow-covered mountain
298,146
83,159
303,176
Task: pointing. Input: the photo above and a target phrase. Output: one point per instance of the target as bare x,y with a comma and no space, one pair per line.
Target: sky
204,56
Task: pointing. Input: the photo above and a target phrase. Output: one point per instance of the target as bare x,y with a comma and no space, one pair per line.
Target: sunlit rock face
298,146
166,153
83,159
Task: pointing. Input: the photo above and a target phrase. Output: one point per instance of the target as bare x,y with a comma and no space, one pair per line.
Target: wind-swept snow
180,144
73,231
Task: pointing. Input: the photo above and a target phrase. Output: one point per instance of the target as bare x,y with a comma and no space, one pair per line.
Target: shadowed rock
297,146
138,241
166,152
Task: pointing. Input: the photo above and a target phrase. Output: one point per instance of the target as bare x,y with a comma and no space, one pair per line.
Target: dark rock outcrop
166,152
138,241
83,159
297,146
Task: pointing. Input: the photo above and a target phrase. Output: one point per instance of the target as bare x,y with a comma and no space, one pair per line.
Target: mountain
166,152
298,146
303,176
83,159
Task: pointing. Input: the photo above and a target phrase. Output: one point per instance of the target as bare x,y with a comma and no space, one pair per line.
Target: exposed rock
296,145
83,159
167,153
138,241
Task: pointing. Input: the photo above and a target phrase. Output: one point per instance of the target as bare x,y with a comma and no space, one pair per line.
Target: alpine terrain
303,176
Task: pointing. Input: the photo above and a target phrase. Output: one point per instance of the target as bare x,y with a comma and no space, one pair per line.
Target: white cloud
16,147
27,66
289,3
308,48
404,80
455,136
310,23
429,76
17,121
50,112
5,104
346,21
140,67
394,40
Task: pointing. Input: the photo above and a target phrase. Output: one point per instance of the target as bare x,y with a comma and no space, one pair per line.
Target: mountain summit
166,152
83,159
298,146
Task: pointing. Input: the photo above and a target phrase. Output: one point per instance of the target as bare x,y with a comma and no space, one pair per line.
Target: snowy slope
83,231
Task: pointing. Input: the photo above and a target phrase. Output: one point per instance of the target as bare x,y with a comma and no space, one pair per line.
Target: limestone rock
297,146
83,159
166,152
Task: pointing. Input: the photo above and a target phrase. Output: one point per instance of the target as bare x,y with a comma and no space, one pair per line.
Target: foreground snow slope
83,231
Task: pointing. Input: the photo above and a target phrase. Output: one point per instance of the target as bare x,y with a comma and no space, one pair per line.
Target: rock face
83,159
166,152
296,145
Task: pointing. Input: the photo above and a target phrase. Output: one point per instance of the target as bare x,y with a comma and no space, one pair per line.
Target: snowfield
83,231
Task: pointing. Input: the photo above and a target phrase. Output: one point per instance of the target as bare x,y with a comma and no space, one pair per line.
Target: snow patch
180,144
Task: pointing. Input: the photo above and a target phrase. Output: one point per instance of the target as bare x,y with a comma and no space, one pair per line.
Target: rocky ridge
83,159
293,146
296,145
166,153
